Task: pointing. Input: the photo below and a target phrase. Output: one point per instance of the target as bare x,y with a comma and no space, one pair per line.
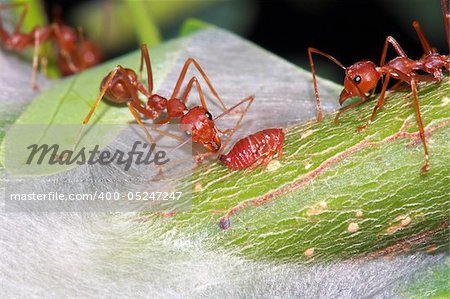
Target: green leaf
328,177
145,26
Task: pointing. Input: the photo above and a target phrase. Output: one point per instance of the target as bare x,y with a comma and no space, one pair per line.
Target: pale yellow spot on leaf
273,165
405,222
359,214
353,227
317,209
198,187
307,163
309,252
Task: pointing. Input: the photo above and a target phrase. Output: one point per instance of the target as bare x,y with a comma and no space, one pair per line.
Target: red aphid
254,150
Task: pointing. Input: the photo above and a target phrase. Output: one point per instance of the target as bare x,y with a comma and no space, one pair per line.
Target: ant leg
44,62
139,121
250,100
183,99
185,95
35,61
97,101
116,70
145,56
59,36
426,78
148,114
183,72
427,49
188,90
135,104
22,17
398,86
397,47
227,111
202,98
4,35
426,165
24,12
225,132
149,137
378,105
313,71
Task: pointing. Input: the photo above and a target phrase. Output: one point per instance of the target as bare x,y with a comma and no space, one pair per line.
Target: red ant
363,76
121,86
74,54
254,150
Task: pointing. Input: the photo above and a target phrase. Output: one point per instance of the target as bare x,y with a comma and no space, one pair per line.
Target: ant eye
208,115
187,133
357,79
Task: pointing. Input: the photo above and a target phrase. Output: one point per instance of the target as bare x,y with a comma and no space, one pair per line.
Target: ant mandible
121,86
75,52
363,76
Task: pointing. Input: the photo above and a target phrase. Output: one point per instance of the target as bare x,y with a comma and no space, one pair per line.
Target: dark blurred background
350,30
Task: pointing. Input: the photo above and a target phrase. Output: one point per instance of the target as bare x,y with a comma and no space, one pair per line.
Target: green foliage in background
121,25
193,25
145,26
382,181
35,16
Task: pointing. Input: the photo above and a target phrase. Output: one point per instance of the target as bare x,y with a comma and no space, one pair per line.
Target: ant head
203,129
360,78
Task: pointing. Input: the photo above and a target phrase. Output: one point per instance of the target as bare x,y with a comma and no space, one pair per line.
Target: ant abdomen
117,92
